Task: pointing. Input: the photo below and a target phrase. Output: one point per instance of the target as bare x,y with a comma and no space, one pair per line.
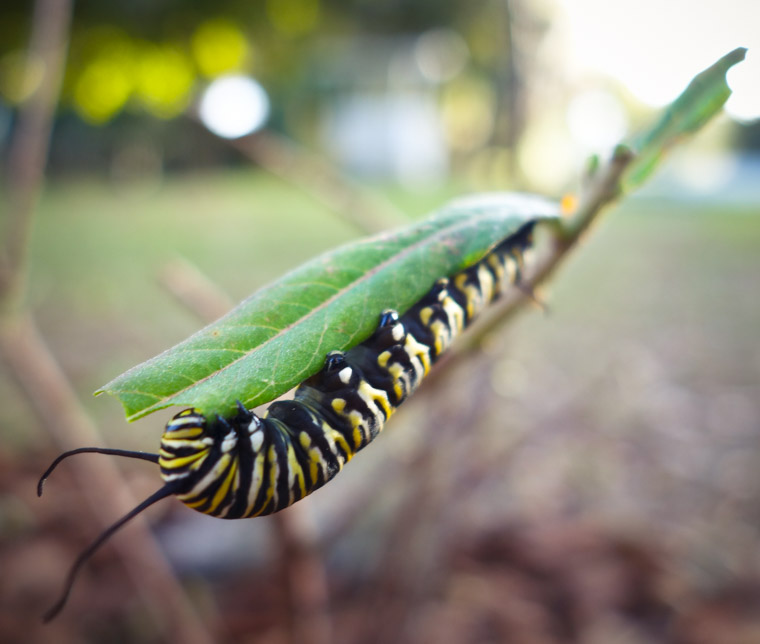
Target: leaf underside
281,334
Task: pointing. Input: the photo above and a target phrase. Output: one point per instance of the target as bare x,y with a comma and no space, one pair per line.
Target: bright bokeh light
233,106
164,79
102,90
219,47
744,81
654,48
545,158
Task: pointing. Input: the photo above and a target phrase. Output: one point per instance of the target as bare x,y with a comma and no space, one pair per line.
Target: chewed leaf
281,334
697,104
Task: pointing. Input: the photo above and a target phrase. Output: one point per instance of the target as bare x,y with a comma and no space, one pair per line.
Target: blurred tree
149,59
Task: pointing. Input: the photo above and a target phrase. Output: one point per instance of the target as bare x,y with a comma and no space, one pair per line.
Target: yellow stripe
378,396
340,439
221,493
487,286
193,432
416,349
397,372
296,472
194,504
179,462
273,472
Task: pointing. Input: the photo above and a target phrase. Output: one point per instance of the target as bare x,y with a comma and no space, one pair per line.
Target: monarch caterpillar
245,465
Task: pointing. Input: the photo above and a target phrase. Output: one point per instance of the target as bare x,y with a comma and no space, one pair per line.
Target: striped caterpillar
246,465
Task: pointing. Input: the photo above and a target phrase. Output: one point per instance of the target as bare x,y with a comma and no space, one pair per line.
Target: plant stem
30,361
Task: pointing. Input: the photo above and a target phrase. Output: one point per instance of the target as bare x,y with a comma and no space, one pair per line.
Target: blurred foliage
150,60
488,72
180,41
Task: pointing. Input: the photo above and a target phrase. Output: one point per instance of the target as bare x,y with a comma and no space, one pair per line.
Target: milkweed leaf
281,334
698,103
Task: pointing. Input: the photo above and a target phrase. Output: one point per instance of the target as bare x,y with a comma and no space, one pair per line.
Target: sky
654,47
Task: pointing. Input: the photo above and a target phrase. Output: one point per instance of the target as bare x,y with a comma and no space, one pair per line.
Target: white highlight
229,442
233,106
596,120
257,440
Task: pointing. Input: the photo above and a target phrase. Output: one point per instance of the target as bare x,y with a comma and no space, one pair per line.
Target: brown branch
98,479
320,180
562,236
193,290
304,576
30,362
29,143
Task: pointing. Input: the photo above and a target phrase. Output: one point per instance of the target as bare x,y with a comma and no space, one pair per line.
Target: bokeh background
588,475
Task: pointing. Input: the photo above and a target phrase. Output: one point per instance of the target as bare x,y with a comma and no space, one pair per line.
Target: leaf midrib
305,318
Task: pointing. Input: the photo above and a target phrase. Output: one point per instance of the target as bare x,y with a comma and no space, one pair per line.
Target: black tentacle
145,456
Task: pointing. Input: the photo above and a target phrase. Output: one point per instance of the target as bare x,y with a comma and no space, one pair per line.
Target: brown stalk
30,361
600,191
320,180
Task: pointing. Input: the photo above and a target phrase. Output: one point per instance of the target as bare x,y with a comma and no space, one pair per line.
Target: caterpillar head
192,448
203,459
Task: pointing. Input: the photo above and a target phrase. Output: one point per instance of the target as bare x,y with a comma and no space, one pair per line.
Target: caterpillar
247,465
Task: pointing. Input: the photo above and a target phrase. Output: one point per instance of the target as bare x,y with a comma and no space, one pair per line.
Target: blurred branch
300,563
30,140
410,564
304,575
193,290
320,180
601,190
99,480
30,361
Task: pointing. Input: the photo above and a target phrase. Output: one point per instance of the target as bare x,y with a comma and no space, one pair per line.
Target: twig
601,190
301,565
411,563
194,290
99,481
304,575
31,363
29,144
320,180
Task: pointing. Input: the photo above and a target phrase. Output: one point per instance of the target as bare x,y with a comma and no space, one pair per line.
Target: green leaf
699,102
281,334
